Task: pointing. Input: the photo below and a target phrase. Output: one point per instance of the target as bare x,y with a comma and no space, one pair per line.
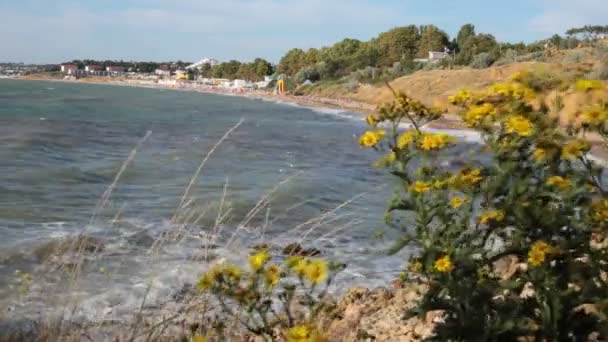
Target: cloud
557,16
241,29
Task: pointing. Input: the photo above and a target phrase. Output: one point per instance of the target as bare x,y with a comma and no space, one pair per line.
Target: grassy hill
434,86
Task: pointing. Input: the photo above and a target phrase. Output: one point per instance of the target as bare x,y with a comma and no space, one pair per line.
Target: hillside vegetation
432,87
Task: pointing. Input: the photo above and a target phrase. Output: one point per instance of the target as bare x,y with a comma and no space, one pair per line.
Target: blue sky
40,31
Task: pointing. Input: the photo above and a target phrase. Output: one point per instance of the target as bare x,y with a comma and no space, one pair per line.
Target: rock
506,267
261,247
378,315
21,330
183,293
76,244
295,249
141,239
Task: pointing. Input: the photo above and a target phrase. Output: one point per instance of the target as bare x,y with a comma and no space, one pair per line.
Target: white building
69,68
239,83
163,72
115,69
434,57
437,55
264,83
92,68
199,64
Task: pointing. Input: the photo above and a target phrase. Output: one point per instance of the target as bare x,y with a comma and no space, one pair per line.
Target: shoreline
450,123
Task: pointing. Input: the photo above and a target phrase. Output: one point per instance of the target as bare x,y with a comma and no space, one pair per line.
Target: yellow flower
491,215
477,113
406,139
520,75
219,273
297,264
587,85
435,141
512,89
540,154
444,264
199,338
559,182
272,275
538,253
574,149
421,187
205,281
600,210
416,266
466,178
461,96
371,138
536,257
440,184
595,116
293,261
457,202
371,120
258,260
316,271
386,160
232,271
519,125
299,333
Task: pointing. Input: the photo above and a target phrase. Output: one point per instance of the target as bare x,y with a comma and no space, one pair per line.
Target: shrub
538,80
539,207
307,73
482,60
600,72
510,56
368,74
538,56
574,56
263,297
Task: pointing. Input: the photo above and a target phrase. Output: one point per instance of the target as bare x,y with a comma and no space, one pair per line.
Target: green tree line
254,71
394,52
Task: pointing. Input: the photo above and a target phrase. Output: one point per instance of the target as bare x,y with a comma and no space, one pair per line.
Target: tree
397,44
292,62
261,68
205,70
431,39
466,31
556,41
588,31
475,45
231,69
311,56
344,55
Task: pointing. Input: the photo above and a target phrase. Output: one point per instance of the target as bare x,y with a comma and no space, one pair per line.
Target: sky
54,31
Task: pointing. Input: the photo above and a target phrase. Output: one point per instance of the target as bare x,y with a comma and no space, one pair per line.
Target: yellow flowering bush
539,203
263,296
371,138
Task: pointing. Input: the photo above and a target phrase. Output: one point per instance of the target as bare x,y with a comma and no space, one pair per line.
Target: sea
161,184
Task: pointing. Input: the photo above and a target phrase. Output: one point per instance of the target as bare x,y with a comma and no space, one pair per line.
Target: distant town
21,69
169,75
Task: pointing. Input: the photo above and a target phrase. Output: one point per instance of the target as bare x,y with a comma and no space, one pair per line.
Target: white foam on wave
341,113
